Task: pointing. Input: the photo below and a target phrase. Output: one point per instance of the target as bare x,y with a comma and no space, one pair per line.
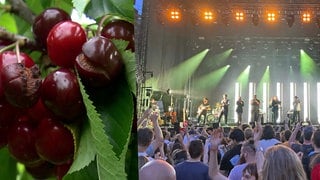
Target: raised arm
294,134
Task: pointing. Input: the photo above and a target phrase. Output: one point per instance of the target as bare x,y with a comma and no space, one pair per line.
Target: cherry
100,61
21,143
54,142
64,43
38,112
4,43
120,29
10,57
42,170
61,170
8,113
21,84
61,94
3,136
45,21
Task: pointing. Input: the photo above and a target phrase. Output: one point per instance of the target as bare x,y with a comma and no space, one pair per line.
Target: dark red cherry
45,21
38,111
54,142
61,170
10,57
21,143
43,170
8,113
60,93
20,84
64,43
3,136
100,61
4,43
120,29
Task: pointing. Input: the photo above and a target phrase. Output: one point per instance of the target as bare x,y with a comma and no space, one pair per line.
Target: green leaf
97,8
8,22
129,61
89,172
80,5
108,165
8,167
85,153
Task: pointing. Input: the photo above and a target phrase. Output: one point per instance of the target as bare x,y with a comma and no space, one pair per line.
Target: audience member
157,170
232,156
281,162
250,172
268,138
193,168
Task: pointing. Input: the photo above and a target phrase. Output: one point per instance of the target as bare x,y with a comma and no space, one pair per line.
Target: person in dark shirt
193,168
232,156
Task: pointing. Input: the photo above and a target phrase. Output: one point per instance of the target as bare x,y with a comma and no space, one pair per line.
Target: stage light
290,20
239,16
208,16
255,19
271,17
174,15
306,17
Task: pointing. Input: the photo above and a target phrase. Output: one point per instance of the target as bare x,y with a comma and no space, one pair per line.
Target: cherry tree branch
23,41
22,10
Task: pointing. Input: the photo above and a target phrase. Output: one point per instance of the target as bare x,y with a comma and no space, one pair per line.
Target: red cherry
3,136
38,112
21,143
100,63
61,170
21,85
45,21
8,113
120,29
64,43
60,93
42,170
54,142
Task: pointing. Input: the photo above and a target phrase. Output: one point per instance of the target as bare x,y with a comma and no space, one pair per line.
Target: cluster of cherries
36,112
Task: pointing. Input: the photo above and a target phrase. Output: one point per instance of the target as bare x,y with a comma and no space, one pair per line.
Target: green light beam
264,79
307,65
211,80
179,75
243,78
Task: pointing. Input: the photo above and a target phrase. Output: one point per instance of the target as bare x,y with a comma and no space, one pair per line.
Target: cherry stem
18,51
10,46
104,18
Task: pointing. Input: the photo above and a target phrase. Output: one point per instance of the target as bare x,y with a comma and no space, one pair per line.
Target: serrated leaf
85,153
108,165
8,167
97,8
129,61
80,5
89,172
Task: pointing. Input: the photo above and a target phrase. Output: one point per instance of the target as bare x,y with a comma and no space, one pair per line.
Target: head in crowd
285,135
145,136
316,138
157,170
245,126
315,167
248,133
268,132
250,172
195,149
248,149
179,155
142,160
307,132
236,135
281,162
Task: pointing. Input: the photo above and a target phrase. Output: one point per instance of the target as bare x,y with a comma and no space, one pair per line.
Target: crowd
263,152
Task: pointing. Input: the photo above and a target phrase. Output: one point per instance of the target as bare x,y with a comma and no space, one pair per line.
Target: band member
296,109
224,108
274,105
255,107
203,109
239,109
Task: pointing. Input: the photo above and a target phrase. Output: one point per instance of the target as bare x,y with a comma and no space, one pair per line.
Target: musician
224,108
255,107
274,105
239,109
203,109
296,109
